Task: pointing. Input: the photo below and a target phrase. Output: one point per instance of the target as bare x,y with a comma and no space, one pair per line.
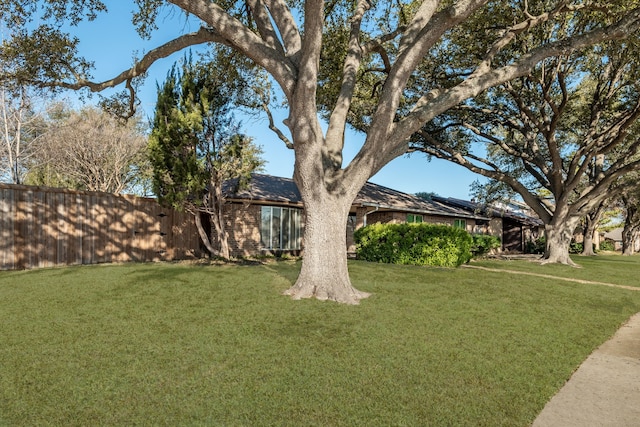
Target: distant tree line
59,146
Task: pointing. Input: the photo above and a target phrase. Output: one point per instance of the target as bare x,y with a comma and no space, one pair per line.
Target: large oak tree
627,194
561,136
386,67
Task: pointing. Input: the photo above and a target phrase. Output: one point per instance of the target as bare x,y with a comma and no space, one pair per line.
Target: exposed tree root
348,295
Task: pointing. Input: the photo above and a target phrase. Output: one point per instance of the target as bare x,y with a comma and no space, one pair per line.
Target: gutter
364,219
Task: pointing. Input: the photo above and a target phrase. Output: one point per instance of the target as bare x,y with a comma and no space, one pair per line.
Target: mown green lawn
610,268
171,344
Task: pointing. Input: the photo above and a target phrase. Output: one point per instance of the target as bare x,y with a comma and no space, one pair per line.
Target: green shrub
414,244
576,248
607,245
536,246
483,243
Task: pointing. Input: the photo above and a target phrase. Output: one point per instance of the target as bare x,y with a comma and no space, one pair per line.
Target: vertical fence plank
79,219
20,239
39,236
100,231
72,224
29,248
52,222
87,230
62,229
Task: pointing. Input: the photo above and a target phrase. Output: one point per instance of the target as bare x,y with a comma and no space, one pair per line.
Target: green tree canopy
195,144
560,137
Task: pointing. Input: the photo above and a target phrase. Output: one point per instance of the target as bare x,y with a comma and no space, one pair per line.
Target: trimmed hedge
414,244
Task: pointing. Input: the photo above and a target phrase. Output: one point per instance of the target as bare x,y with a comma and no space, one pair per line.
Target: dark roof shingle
265,188
268,188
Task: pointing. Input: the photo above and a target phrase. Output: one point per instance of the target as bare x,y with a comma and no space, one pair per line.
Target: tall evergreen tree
195,145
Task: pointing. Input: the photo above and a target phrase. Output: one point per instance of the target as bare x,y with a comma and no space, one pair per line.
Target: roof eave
422,211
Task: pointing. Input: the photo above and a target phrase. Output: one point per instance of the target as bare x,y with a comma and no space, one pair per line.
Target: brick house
268,217
514,222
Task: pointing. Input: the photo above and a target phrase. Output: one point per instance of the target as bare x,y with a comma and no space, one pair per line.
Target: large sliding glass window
414,218
280,228
460,223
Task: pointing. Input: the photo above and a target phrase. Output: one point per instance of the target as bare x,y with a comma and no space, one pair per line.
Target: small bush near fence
415,244
536,246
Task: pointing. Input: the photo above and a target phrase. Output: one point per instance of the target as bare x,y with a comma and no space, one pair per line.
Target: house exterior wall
394,217
243,224
384,217
243,221
495,227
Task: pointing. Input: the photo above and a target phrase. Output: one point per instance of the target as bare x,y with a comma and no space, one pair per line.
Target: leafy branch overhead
413,53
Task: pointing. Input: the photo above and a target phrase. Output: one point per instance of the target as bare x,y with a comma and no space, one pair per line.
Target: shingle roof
490,211
268,188
383,197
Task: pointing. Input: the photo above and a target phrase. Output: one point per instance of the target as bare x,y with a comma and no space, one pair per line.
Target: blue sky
111,43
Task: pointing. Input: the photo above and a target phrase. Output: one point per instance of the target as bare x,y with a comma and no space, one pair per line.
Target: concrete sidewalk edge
605,390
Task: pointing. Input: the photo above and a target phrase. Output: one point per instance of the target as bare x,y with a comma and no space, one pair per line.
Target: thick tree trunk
213,205
324,274
587,245
221,236
216,216
628,232
590,227
203,233
627,240
559,235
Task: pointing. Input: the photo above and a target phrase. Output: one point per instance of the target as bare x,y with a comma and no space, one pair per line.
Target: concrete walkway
605,390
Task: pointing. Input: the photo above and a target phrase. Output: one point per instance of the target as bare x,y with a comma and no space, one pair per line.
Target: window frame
413,218
460,223
285,234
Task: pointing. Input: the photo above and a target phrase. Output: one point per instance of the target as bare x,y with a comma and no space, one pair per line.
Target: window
414,218
460,223
280,228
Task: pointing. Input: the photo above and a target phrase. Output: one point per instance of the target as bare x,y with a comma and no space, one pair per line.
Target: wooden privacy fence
43,227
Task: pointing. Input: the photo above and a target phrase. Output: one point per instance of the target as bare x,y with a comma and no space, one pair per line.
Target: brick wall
243,223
